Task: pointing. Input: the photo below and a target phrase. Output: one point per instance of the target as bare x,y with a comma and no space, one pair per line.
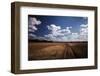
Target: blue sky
66,28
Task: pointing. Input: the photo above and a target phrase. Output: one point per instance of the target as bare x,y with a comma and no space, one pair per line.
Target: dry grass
45,51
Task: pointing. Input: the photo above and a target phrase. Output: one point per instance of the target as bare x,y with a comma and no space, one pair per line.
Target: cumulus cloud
74,37
53,27
57,30
82,35
33,22
84,32
32,28
57,33
33,36
84,26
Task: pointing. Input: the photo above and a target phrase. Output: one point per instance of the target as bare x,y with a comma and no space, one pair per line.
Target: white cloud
84,32
63,34
66,30
84,26
57,30
57,33
31,35
54,30
75,37
53,27
32,28
33,22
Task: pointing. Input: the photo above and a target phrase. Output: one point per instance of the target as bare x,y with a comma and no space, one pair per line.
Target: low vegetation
48,51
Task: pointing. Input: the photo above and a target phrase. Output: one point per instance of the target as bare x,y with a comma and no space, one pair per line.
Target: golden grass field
48,51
